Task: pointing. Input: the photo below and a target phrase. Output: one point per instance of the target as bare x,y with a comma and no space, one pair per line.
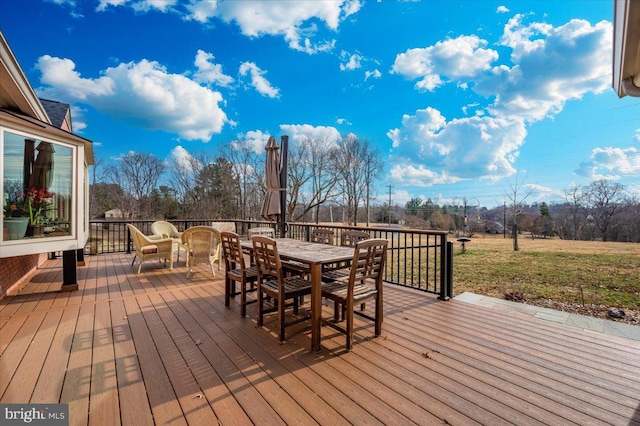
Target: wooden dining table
315,255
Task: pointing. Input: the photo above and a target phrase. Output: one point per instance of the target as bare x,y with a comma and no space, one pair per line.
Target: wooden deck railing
418,259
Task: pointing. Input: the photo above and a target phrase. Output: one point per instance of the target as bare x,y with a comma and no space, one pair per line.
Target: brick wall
14,270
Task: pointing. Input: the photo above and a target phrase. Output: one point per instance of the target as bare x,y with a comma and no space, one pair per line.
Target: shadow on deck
158,348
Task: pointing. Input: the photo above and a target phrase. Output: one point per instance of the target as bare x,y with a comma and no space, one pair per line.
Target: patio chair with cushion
203,246
147,248
237,272
273,283
364,283
164,229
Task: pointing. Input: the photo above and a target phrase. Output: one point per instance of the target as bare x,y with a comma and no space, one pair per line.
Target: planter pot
35,231
16,226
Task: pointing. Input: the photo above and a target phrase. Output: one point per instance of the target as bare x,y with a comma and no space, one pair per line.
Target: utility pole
389,213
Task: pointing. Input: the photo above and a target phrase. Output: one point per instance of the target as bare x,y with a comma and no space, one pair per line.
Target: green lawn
564,271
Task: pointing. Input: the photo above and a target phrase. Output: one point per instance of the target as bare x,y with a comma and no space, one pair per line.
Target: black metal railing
419,259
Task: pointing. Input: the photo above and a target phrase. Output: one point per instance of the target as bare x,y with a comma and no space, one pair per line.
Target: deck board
159,348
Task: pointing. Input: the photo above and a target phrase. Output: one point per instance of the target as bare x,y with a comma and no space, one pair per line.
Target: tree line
230,183
602,210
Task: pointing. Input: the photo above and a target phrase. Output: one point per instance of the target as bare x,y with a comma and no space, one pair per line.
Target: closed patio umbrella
271,205
29,157
42,175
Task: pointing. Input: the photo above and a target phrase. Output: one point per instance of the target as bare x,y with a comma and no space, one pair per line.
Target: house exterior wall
15,270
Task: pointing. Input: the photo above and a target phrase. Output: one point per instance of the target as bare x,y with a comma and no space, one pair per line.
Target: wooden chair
261,230
348,238
322,235
364,283
237,271
351,237
203,246
147,248
273,283
164,229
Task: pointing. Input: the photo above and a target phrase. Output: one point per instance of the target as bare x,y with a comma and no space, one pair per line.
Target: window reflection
37,188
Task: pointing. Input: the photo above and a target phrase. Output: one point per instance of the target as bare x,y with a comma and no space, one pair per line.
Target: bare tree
569,221
355,163
605,199
137,173
516,202
248,169
372,171
311,176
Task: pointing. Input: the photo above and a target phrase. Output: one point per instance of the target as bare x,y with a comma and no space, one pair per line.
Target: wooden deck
157,348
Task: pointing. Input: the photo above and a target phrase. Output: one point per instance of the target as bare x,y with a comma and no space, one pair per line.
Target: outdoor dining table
315,255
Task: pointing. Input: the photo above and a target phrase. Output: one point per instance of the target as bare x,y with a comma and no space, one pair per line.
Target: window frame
74,220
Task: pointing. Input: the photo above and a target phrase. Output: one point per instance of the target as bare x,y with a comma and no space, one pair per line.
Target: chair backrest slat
322,235
368,260
262,230
352,237
265,252
232,250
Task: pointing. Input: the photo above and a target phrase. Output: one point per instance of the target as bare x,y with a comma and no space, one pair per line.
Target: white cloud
104,4
343,121
258,82
182,158
400,197
295,21
465,148
298,132
78,123
372,74
544,192
350,62
419,176
161,5
61,73
138,5
460,58
256,140
209,72
502,9
611,163
551,65
144,93
567,63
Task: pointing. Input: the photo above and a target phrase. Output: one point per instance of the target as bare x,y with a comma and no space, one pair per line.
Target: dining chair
203,246
273,283
236,271
261,230
364,283
322,235
147,248
163,229
350,237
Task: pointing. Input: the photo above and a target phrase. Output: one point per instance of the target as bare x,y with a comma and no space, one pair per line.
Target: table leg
316,306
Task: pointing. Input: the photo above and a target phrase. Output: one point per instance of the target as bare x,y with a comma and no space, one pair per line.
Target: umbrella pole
284,154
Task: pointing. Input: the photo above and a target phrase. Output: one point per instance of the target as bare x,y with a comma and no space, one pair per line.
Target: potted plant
37,203
14,223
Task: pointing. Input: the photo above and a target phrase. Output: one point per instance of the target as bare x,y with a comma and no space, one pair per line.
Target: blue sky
460,97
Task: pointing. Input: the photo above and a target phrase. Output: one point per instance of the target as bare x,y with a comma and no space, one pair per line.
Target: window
37,188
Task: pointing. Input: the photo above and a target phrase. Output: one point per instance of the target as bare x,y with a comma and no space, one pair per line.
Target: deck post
69,277
446,269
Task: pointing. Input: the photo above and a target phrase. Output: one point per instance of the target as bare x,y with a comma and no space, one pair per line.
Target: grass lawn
584,276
